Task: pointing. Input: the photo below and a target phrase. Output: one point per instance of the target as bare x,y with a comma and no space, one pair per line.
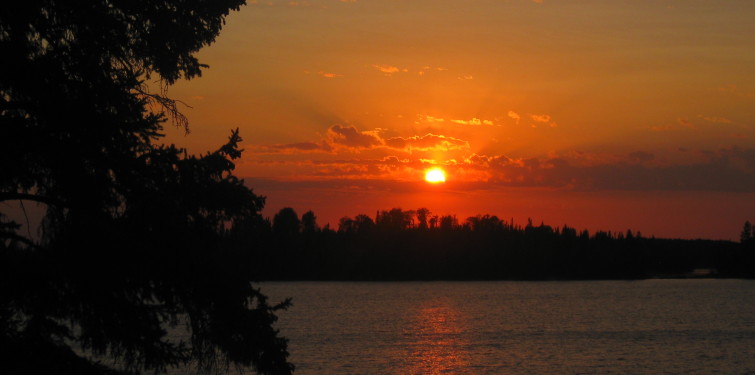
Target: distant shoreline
699,275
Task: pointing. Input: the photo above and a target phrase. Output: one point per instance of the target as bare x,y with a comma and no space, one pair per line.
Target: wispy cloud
685,123
544,119
474,121
731,169
329,75
681,124
427,69
337,137
736,90
389,69
515,116
715,119
350,137
427,142
302,146
303,4
431,119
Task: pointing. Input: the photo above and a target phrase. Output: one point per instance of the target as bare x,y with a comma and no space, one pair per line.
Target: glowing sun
435,176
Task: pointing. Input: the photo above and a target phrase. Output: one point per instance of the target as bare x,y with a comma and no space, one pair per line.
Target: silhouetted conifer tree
747,234
137,238
309,222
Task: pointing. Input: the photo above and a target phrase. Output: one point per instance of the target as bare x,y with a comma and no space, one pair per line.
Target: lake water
594,327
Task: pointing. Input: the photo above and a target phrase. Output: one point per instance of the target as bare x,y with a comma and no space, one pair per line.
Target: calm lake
696,326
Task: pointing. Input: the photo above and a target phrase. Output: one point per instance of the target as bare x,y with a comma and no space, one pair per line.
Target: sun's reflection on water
435,338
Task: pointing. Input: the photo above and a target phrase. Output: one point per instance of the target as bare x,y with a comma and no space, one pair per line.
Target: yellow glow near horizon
435,176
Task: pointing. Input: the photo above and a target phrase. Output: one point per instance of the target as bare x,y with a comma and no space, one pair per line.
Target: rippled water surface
594,327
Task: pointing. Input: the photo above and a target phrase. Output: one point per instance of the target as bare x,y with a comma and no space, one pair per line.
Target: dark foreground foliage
413,245
136,237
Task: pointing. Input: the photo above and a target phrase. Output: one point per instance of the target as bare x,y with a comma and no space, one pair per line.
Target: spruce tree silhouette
747,235
309,222
135,239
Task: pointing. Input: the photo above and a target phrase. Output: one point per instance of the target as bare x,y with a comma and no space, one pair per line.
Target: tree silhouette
137,239
364,223
747,241
422,217
346,225
309,222
286,223
396,219
747,233
433,222
448,222
485,223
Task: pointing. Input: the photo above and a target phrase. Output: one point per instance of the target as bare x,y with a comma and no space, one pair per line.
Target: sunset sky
604,115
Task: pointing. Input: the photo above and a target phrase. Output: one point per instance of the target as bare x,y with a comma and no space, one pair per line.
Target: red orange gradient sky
604,115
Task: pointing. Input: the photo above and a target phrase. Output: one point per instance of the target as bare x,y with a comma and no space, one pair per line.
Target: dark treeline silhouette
417,245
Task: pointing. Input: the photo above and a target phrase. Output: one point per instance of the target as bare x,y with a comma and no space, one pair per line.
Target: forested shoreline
413,245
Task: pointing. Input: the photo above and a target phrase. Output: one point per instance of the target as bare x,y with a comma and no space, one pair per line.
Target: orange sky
597,114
